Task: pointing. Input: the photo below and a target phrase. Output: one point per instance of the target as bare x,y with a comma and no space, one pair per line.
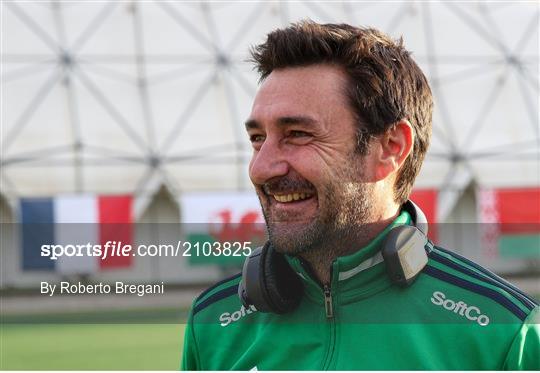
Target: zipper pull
328,302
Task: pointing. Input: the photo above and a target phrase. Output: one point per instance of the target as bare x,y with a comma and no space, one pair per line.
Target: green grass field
113,340
76,346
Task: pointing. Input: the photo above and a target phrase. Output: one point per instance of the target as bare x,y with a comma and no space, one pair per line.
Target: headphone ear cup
281,287
403,250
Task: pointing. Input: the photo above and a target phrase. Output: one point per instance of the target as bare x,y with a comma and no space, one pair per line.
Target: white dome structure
114,97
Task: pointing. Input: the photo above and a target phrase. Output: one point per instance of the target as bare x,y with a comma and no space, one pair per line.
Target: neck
321,259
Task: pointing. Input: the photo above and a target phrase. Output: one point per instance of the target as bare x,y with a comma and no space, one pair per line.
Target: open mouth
291,197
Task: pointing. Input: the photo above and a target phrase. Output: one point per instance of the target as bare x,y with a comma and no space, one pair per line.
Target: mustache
284,185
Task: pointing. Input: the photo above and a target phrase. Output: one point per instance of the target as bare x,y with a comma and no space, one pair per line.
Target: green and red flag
510,222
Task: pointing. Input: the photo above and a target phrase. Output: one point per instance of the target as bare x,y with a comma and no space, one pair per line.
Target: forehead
317,91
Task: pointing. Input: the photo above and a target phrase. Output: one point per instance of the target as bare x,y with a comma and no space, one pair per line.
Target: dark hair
385,84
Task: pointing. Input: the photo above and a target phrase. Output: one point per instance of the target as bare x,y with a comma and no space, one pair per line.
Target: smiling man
315,185
348,279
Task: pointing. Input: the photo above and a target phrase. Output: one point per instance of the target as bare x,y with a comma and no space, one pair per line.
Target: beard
344,204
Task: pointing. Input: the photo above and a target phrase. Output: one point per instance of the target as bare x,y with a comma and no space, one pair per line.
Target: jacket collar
356,275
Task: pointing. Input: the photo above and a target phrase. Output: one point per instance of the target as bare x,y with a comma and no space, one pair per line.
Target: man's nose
267,163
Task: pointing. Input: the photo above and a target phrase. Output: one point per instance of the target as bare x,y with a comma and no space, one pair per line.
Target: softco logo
472,313
226,318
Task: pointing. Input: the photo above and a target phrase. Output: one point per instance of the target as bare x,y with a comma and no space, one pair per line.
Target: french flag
75,220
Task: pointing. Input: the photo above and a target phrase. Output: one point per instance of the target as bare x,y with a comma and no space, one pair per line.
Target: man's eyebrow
282,121
252,124
296,120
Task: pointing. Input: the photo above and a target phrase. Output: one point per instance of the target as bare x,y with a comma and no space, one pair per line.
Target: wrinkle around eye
299,138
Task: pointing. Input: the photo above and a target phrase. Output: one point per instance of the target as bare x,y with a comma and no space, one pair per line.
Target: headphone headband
271,285
417,215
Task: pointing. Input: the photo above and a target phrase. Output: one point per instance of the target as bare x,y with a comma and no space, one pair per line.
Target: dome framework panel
162,88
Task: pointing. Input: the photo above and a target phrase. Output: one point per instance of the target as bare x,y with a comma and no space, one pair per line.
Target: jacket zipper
329,309
328,306
330,317
328,303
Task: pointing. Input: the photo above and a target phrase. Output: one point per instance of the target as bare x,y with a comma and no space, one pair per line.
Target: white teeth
291,197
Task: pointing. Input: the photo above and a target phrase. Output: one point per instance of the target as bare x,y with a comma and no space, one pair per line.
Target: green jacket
455,316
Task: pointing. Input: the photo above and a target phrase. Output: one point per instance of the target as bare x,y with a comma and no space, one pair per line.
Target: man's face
310,181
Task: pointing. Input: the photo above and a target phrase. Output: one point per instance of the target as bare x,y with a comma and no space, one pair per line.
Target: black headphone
271,285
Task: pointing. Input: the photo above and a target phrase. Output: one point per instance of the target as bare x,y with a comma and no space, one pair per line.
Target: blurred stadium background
132,112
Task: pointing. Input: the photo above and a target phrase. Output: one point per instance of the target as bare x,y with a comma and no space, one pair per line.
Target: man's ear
395,145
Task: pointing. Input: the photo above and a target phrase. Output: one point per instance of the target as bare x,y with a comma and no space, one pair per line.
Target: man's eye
298,134
256,138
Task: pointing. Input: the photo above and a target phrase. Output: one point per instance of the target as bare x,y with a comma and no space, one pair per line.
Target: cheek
306,167
250,167
372,170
